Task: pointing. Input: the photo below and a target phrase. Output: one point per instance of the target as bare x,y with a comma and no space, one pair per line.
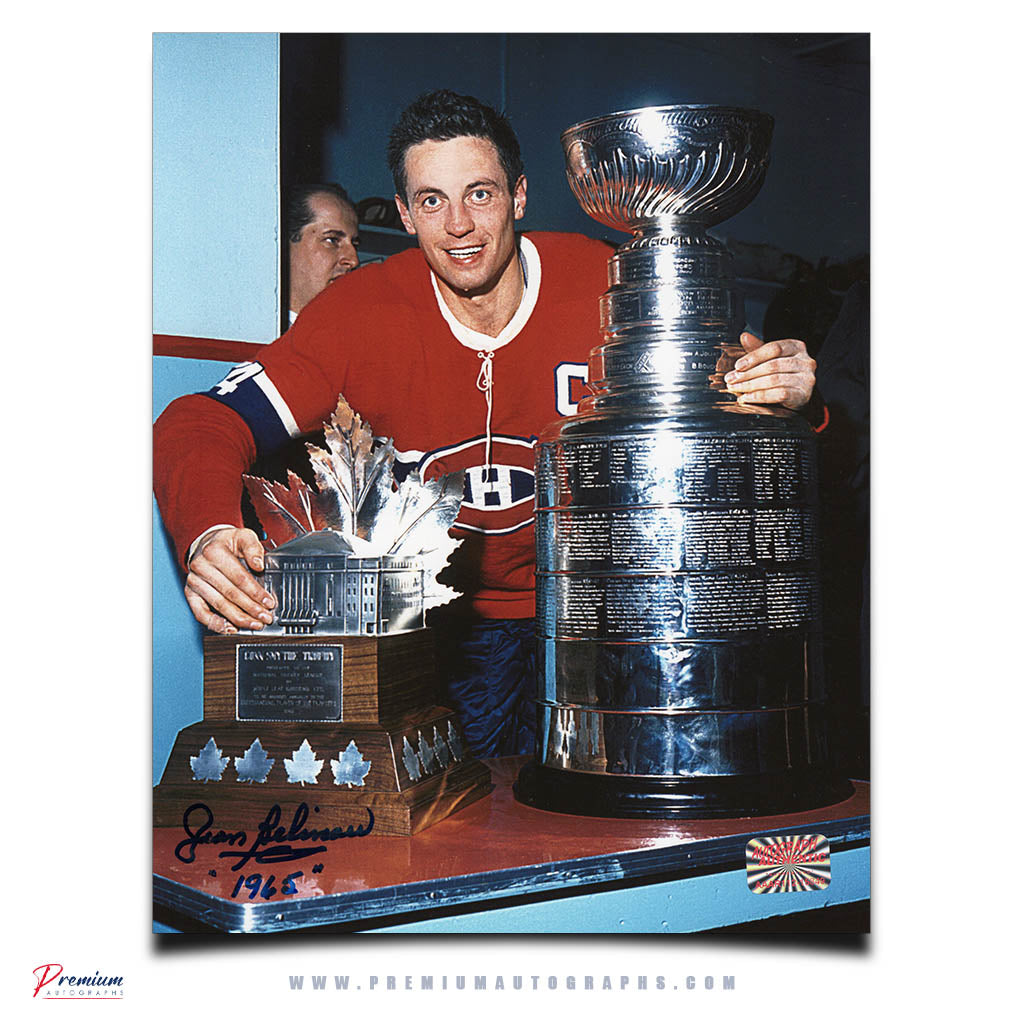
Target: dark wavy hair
442,115
299,213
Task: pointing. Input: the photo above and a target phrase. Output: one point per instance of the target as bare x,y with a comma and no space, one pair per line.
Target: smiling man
461,352
323,241
460,204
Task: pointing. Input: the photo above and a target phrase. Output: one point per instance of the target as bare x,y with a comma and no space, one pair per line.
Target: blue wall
216,239
216,246
177,637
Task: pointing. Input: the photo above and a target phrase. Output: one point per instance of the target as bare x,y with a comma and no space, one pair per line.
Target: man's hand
220,590
779,373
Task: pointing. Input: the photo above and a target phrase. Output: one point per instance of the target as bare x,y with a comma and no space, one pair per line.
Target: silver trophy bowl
687,163
678,598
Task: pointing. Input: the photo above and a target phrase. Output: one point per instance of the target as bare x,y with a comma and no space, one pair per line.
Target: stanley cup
678,604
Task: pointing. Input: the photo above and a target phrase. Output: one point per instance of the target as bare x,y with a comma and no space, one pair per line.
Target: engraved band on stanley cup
678,598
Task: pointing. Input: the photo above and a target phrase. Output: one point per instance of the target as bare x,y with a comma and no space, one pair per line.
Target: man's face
461,211
326,249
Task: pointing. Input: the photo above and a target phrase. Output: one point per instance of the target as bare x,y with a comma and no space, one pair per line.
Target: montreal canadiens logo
498,494
497,487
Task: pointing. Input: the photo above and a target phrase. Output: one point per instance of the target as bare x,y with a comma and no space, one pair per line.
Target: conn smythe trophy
678,608
334,704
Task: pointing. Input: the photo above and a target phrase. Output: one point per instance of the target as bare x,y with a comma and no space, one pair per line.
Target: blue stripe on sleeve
239,391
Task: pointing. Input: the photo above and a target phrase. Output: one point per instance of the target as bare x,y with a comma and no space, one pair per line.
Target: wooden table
500,866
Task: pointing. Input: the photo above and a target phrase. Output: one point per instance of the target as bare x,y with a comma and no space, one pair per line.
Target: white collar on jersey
531,289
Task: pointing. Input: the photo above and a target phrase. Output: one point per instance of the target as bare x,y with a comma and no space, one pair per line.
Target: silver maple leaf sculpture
359,500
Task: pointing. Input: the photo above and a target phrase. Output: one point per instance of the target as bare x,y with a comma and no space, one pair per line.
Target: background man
461,353
323,241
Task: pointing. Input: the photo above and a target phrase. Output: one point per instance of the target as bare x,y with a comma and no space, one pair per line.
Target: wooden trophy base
393,764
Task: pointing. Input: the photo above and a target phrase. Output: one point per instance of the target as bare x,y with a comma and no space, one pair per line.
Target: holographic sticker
788,864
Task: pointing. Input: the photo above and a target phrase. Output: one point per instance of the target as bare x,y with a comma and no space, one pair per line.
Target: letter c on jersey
565,373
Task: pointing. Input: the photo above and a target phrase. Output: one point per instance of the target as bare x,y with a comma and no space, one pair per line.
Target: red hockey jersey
383,338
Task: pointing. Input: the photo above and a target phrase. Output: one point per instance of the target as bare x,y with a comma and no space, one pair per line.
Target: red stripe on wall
205,348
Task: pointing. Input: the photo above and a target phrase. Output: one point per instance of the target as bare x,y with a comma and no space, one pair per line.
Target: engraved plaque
655,306
670,466
618,364
288,682
675,606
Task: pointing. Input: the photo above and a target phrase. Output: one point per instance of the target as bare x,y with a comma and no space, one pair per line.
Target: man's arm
776,373
221,592
200,450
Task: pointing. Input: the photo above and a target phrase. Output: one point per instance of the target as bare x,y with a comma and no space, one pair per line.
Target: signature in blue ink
273,842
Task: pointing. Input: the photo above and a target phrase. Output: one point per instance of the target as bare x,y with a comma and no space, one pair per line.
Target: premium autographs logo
76,986
273,843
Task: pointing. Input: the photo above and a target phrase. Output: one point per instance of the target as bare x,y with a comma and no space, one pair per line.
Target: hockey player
461,352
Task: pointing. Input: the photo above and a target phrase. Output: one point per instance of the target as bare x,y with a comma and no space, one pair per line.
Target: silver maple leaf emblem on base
302,766
350,768
410,760
254,766
209,765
